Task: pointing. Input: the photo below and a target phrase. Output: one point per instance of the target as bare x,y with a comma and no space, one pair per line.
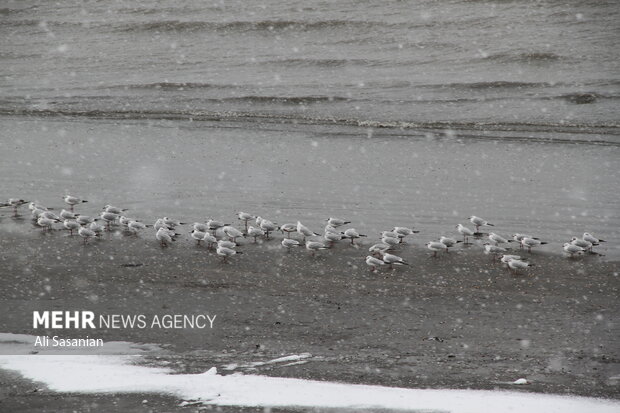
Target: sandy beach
458,321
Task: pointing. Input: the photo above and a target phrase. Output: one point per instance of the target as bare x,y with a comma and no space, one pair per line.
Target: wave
497,84
525,57
245,26
168,86
300,62
611,129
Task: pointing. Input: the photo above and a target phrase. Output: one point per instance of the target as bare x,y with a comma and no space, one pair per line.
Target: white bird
392,242
164,237
448,242
113,209
255,232
591,238
45,223
315,246
436,246
393,260
211,240
493,249
586,245
390,234
268,227
124,221
332,229
379,248
135,226
479,222
519,237
332,237
517,265
226,252
199,226
84,219
171,223
226,244
198,235
465,232
289,243
232,232
72,201
245,217
71,225
531,242
64,214
96,228
505,258
572,249
288,228
352,234
109,218
303,230
33,205
15,203
50,215
160,224
336,222
374,262
497,239
86,233
404,231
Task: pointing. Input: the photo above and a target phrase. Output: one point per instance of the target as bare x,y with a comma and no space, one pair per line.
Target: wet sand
555,324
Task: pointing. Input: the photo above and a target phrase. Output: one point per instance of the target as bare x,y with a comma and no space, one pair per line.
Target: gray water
516,67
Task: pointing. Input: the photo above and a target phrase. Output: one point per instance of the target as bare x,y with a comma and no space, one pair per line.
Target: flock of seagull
223,237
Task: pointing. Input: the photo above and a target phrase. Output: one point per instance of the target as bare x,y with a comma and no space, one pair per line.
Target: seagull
71,225
393,260
586,245
289,243
516,265
448,242
531,242
379,248
245,217
590,238
497,239
226,252
198,235
15,203
84,219
50,215
479,222
436,246
210,240
226,244
493,249
315,246
332,229
505,258
519,237
267,226
171,223
353,234
255,232
390,234
124,221
109,218
164,237
336,222
45,223
160,224
465,232
96,228
135,226
113,209
200,227
303,230
392,242
232,232
374,262
86,233
64,214
572,249
332,237
403,232
288,228
72,201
